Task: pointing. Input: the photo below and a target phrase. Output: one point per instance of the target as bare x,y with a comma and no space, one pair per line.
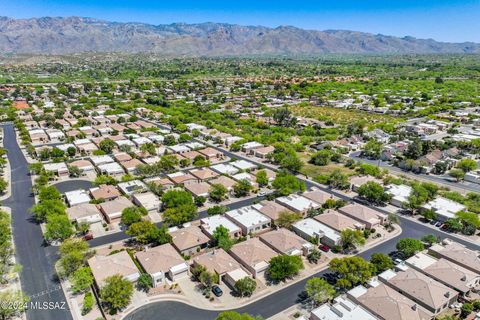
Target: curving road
280,300
38,276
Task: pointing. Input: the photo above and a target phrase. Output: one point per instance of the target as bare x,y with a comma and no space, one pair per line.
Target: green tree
116,293
409,246
131,215
466,310
48,208
287,218
351,239
176,198
73,255
314,256
180,214
104,179
168,162
453,225
145,282
286,184
242,188
217,192
245,287
458,174
282,267
430,239
81,280
261,178
49,193
146,232
369,169
283,117
216,210
107,145
221,235
3,185
58,227
429,214
372,149
338,180
467,165
352,270
373,192
381,262
318,290
88,302
322,157
469,218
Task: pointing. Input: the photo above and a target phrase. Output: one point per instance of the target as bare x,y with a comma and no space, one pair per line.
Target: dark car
432,222
324,248
438,224
217,291
87,237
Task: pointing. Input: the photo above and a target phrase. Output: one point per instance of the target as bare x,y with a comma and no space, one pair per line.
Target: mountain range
66,35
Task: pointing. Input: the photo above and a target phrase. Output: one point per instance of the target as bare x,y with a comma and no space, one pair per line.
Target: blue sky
444,20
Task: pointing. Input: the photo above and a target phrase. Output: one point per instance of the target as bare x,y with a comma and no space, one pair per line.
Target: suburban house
318,196
204,174
211,154
387,303
84,165
111,169
298,203
112,210
218,262
312,229
198,189
84,213
133,186
457,253
105,192
227,182
270,209
444,208
225,168
370,217
181,178
147,200
450,274
189,240
249,220
210,224
60,169
342,308
427,292
399,194
263,152
286,242
358,181
162,262
116,264
338,221
249,147
254,255
77,197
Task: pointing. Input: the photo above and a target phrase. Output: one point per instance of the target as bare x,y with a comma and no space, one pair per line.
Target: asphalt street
39,280
38,276
285,298
465,186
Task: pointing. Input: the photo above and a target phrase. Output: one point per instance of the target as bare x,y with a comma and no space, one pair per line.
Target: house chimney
414,307
447,294
464,278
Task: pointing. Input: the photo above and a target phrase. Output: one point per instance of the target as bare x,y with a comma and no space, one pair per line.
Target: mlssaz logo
46,305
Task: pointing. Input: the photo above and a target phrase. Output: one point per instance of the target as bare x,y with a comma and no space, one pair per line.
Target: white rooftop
297,202
247,216
399,192
243,165
179,148
223,168
77,197
132,186
342,309
211,223
420,261
444,207
98,160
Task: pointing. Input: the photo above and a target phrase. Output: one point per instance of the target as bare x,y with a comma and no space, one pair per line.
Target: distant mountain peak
64,35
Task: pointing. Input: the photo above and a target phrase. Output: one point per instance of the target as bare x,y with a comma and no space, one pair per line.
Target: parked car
432,222
324,248
397,261
217,291
438,224
87,237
